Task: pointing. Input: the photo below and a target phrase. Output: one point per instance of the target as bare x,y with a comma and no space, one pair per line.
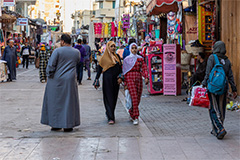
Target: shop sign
8,3
170,72
22,21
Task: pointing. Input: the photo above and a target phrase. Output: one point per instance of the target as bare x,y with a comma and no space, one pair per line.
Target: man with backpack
218,75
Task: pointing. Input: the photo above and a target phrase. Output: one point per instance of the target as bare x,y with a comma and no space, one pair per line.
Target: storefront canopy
156,7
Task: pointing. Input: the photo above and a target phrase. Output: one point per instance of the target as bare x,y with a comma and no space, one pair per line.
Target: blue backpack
217,78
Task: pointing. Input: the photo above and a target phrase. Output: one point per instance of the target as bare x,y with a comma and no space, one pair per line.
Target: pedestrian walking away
218,102
134,68
126,51
25,52
10,55
43,64
111,66
87,58
61,103
80,64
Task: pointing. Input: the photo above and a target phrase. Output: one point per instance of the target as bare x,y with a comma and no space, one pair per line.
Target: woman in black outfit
111,67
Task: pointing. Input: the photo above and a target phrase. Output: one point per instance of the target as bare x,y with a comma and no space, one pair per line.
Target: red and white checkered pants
135,86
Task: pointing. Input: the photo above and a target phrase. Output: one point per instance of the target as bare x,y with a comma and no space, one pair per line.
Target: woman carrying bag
134,68
111,67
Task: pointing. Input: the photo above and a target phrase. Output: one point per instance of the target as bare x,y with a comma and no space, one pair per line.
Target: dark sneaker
221,134
68,129
56,129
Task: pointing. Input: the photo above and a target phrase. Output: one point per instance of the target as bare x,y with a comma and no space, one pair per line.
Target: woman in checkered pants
43,64
134,68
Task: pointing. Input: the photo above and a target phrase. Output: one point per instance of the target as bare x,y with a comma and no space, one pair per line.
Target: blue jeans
80,72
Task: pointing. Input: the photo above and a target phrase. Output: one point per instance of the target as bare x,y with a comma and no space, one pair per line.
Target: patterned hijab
130,60
108,59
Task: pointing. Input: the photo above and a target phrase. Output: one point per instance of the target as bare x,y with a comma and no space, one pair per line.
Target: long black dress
110,88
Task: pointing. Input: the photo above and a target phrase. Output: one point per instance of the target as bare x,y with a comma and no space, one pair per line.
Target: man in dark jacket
87,58
218,102
25,52
201,69
126,51
80,64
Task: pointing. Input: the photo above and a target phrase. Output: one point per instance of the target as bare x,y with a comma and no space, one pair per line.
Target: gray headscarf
220,49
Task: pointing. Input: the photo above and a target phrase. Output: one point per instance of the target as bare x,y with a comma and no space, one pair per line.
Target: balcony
99,0
108,13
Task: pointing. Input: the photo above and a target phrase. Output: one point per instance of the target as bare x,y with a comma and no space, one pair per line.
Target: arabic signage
22,21
8,3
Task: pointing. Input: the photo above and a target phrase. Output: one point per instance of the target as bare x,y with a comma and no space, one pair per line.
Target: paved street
169,129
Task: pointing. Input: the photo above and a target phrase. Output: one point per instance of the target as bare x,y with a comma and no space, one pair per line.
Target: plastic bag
199,97
128,100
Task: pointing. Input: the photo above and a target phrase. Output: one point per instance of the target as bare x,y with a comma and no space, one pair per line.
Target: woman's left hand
146,81
119,81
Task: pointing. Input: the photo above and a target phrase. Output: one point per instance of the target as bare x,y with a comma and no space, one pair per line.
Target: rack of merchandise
155,69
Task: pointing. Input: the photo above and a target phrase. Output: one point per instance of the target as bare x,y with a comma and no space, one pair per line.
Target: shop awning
156,7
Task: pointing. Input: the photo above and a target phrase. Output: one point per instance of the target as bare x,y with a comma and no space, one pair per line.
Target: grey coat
61,102
227,68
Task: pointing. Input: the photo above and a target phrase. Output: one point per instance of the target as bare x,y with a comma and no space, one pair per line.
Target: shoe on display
135,122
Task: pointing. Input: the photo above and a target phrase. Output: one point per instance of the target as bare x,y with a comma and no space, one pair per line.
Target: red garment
133,80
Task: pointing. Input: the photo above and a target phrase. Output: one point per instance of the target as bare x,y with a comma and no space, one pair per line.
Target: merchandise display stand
155,69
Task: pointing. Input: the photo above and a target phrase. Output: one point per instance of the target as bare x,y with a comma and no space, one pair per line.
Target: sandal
111,122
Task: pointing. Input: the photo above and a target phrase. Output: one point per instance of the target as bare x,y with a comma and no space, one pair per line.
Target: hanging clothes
106,31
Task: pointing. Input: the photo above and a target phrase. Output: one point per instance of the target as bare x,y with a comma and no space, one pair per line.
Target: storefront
166,19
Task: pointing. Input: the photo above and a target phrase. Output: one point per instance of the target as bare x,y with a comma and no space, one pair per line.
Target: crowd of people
63,72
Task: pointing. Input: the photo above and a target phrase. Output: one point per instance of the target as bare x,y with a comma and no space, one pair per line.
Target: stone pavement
169,129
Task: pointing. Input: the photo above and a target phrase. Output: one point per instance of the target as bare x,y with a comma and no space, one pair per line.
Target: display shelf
155,67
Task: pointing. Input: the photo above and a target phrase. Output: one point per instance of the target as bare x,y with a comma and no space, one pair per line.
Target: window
113,4
101,5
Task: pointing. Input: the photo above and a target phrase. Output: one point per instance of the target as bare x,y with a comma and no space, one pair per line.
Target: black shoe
221,134
55,129
68,129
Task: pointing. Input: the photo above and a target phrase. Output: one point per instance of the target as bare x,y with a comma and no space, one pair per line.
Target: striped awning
156,7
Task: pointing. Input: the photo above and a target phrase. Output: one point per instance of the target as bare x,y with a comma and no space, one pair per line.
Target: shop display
3,71
172,73
155,67
205,21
